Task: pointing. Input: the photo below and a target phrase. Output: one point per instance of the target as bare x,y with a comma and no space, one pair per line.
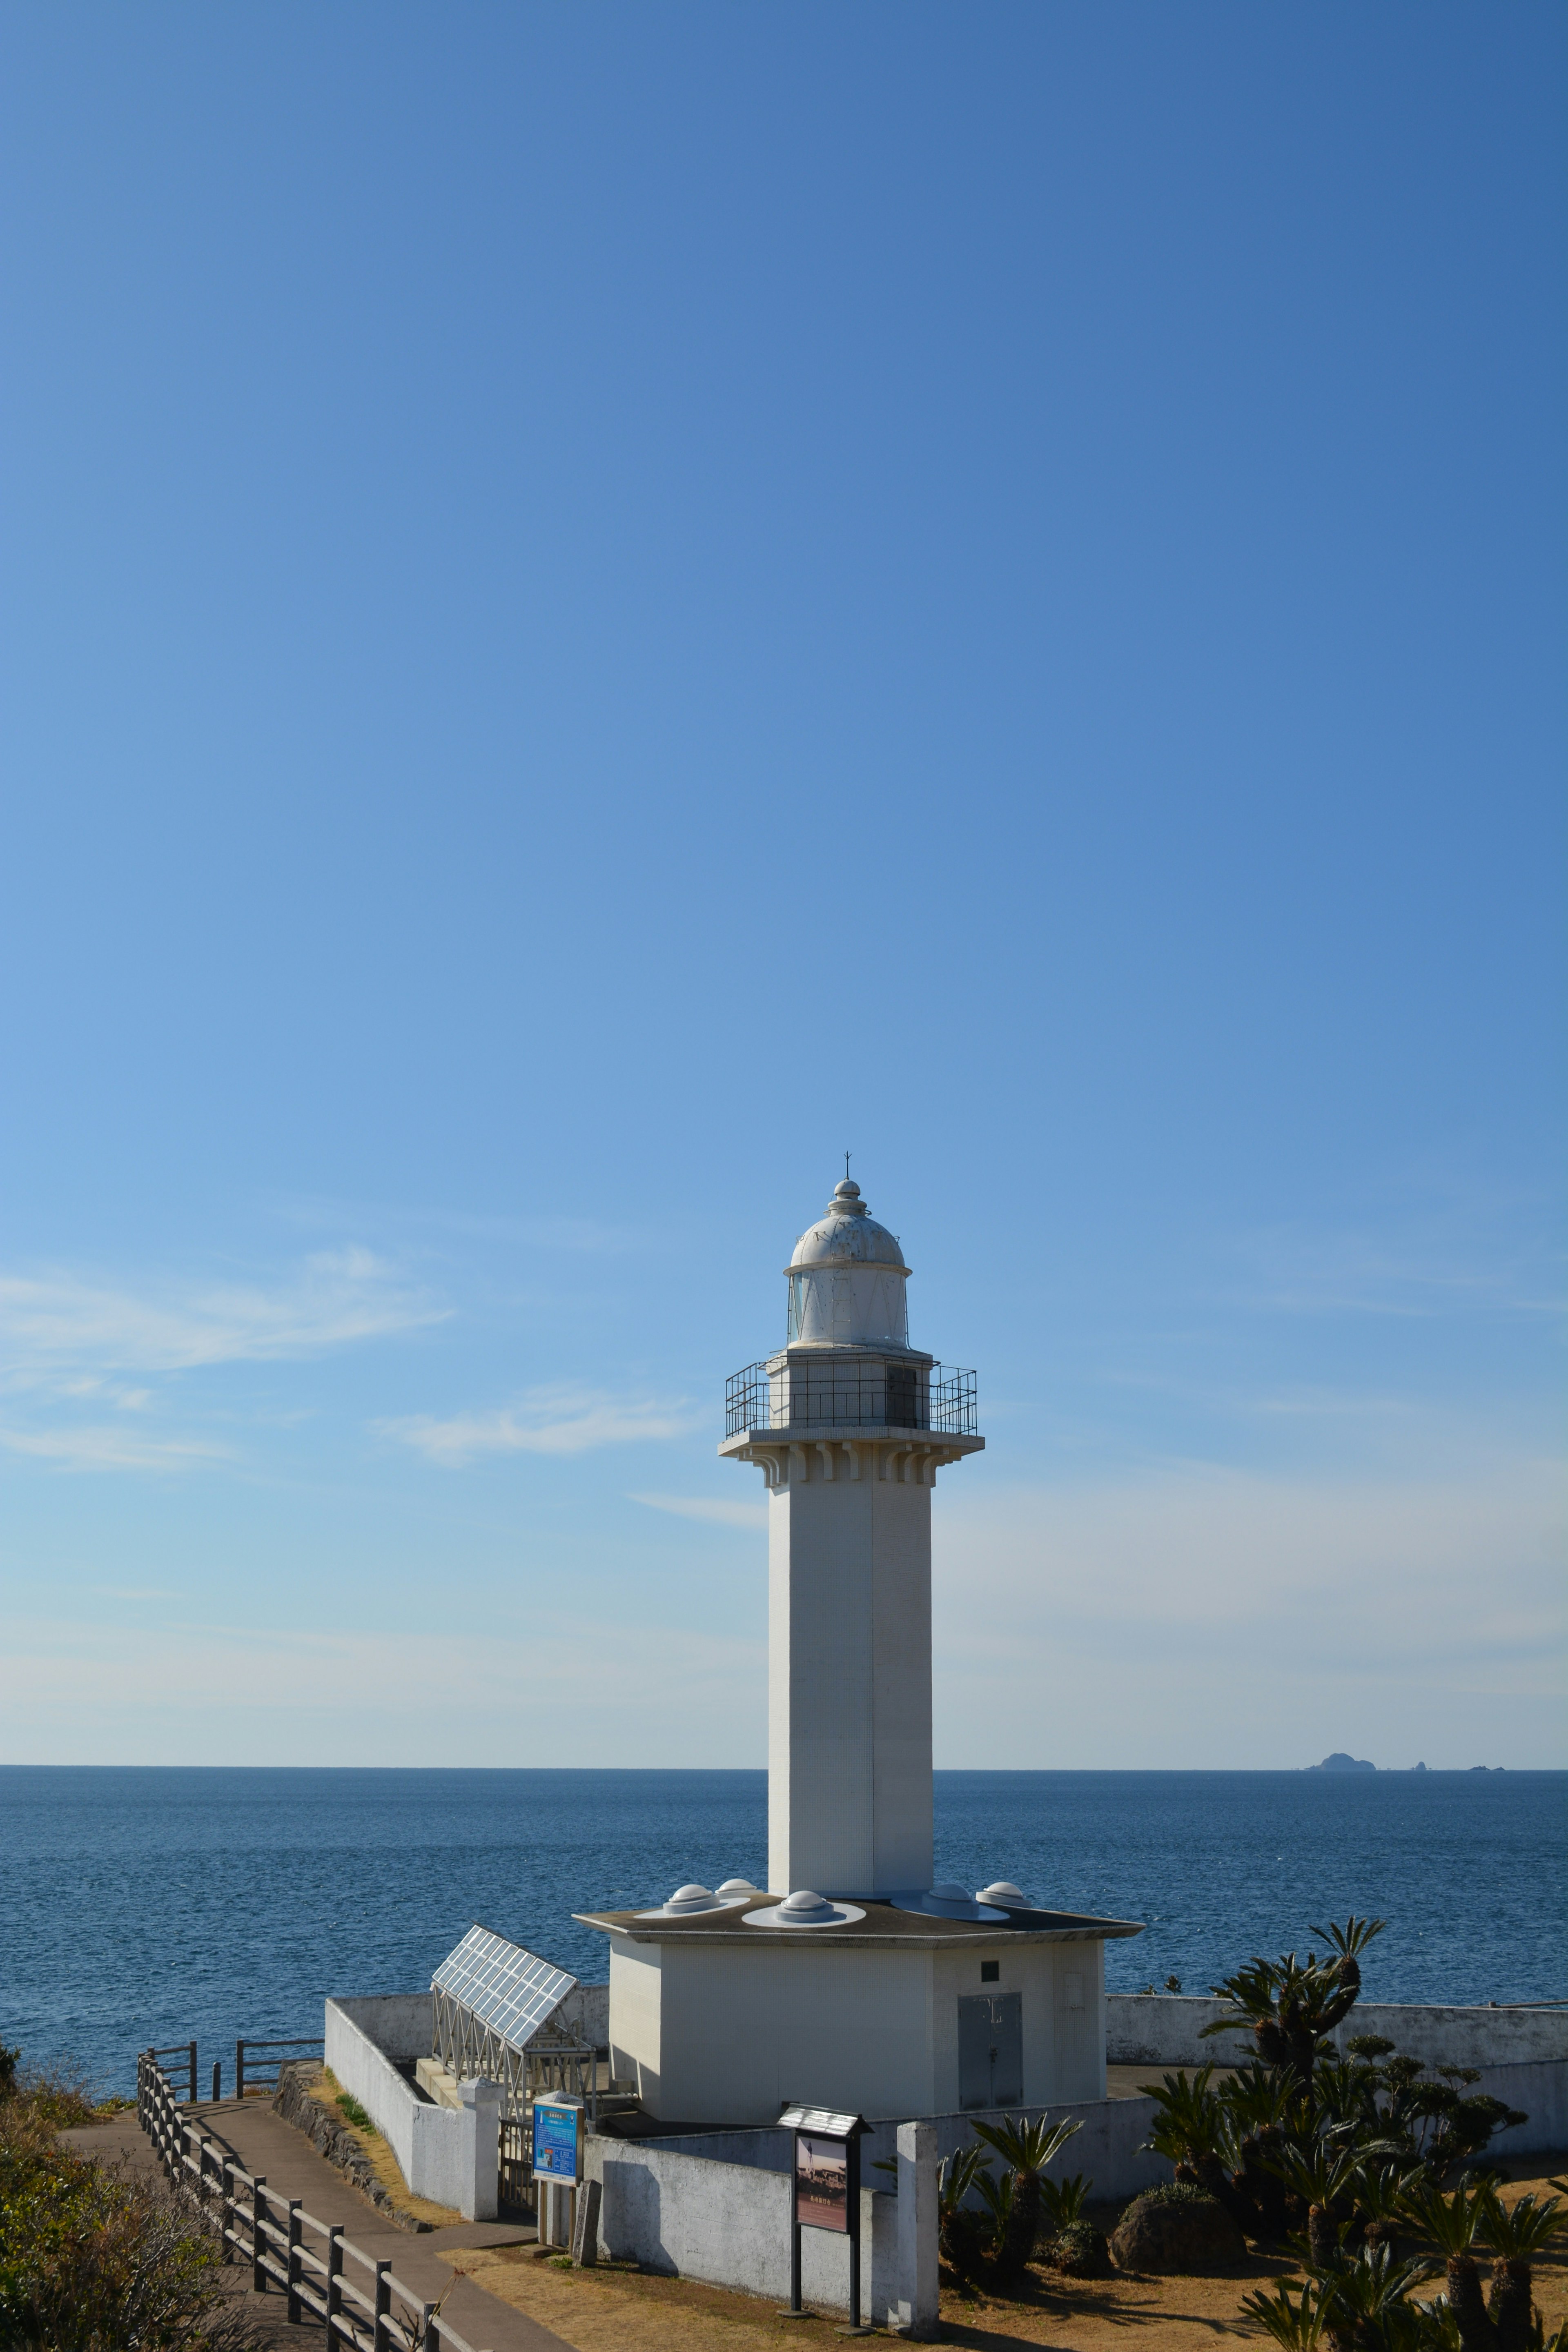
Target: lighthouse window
903,1396
989,1971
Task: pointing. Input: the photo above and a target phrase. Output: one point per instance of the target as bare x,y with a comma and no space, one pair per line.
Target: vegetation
1365,2164
1026,2148
1365,2303
1301,2139
1343,2157
357,2115
93,2260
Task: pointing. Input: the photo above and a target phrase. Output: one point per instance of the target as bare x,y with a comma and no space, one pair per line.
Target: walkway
290,2166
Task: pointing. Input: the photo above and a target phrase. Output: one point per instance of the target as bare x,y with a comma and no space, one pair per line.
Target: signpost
826,2195
557,2158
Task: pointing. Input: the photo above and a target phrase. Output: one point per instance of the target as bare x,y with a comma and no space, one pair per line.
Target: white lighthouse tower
849,1425
855,1983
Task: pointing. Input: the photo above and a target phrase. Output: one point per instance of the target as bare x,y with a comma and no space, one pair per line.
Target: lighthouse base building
855,1983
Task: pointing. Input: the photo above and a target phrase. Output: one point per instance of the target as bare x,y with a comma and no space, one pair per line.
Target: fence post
225,2209
240,2070
217,2080
193,2074
334,2275
294,2236
258,2232
429,2328
380,2342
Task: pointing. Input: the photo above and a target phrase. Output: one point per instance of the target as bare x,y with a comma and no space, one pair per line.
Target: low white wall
450,2155
728,2223
586,2012
1164,2030
1108,2144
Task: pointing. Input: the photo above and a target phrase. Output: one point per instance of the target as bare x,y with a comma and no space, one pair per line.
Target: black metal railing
793,1394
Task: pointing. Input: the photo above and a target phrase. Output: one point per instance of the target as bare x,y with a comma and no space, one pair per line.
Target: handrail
261,2074
255,2226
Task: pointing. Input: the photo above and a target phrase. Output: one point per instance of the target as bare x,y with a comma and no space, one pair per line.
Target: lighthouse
857,1980
849,1425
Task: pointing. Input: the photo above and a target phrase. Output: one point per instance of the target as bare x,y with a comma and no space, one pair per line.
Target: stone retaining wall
296,2102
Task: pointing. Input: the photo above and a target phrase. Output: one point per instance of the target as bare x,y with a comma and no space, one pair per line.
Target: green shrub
1078,2251
92,2259
1175,2193
356,2114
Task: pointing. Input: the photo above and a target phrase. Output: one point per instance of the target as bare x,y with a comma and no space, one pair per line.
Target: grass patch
357,2115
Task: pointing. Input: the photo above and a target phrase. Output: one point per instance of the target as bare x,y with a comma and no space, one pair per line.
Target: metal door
990,2049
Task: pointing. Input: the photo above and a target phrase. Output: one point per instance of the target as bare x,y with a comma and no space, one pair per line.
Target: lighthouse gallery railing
790,1392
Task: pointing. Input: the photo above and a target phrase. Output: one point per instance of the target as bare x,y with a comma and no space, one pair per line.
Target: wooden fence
284,2247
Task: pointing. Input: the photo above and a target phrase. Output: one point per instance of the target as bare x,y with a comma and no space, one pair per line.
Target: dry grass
605,2311
327,2090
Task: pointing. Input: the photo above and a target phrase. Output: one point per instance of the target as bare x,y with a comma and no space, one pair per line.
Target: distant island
1339,1762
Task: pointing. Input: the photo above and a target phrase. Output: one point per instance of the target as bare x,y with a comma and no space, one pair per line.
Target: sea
151,1906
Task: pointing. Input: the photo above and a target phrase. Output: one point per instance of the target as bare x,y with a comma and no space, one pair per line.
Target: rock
1183,2232
1339,1762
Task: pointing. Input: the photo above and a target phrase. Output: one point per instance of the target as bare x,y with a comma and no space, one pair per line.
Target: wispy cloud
1300,1272
110,1449
722,1513
56,1324
546,1421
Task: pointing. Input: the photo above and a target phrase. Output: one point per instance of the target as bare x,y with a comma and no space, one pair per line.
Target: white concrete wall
448,2155
730,2224
1164,2030
715,2036
586,2013
1108,2144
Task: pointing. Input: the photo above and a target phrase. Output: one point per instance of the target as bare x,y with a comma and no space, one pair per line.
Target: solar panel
510,1991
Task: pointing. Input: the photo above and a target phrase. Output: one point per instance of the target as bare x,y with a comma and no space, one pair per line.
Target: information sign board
558,2140
825,2185
821,2182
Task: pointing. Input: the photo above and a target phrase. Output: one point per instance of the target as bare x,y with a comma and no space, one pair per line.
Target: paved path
290,2166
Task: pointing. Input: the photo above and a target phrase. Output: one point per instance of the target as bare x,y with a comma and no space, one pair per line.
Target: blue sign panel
557,2141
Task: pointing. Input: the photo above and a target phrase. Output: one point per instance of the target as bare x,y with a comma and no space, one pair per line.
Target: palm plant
1191,2131
1452,2223
1288,2009
1325,2177
1026,2148
958,2233
1381,2194
1062,2201
1265,2113
1000,2200
1516,2234
1296,2325
1367,2304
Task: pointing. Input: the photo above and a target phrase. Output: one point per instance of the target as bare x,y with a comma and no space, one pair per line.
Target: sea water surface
146,1906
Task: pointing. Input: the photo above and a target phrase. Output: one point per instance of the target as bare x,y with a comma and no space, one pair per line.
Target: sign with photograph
821,2182
557,2140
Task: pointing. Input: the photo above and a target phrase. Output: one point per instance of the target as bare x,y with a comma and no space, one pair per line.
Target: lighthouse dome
846,1280
848,1236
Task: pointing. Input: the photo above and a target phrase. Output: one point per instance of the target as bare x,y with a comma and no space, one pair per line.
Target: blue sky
604,602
